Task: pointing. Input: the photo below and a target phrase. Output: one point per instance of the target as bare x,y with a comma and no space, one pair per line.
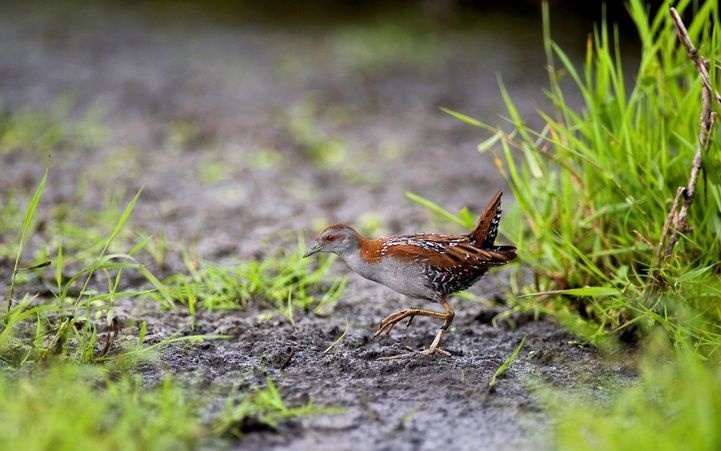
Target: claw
410,319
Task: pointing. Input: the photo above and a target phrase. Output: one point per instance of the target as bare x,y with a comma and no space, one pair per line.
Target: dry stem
675,223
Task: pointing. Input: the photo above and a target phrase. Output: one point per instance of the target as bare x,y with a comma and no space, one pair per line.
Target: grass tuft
74,316
594,184
283,282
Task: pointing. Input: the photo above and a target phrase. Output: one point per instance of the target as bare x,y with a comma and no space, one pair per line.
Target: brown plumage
429,266
487,228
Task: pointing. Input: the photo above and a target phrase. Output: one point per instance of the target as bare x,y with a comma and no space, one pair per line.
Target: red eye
330,238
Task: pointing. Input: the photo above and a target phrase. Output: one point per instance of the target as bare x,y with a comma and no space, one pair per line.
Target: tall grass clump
595,183
74,316
284,282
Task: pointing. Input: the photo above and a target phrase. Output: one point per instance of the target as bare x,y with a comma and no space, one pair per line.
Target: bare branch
701,63
675,223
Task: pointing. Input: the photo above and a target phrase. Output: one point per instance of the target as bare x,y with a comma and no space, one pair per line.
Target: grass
339,339
285,282
24,231
70,407
84,279
506,363
594,184
85,394
89,407
102,405
11,219
676,404
77,321
69,322
81,231
44,132
262,408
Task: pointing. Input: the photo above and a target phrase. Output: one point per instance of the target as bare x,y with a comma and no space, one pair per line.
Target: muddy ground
245,133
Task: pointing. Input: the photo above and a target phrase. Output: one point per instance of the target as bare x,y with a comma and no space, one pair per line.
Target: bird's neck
364,258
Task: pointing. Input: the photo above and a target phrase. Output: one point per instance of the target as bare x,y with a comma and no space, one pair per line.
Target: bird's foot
390,321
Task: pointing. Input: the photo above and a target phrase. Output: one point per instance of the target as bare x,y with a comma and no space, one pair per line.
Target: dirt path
245,134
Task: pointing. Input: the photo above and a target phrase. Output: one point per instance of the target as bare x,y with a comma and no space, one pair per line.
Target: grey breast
408,279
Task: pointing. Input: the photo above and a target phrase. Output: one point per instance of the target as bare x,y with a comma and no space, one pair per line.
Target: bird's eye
330,238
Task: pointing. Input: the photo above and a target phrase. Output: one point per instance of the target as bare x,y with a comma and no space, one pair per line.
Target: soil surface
244,134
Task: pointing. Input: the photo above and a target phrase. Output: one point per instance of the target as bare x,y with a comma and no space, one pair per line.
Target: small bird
429,266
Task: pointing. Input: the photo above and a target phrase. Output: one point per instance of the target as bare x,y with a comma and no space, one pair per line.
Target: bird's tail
485,233
503,254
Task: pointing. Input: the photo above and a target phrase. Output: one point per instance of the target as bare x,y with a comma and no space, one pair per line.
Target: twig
669,220
675,223
701,63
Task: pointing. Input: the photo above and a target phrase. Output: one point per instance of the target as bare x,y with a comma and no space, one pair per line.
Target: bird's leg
391,320
394,318
435,346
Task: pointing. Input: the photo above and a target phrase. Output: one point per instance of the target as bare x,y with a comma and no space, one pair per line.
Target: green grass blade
27,223
580,292
506,363
59,267
116,231
341,338
434,207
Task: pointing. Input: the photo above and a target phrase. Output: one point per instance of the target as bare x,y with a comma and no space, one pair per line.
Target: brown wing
450,263
443,250
444,254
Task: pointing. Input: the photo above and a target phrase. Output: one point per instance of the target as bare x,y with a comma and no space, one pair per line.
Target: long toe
395,357
433,351
389,322
387,328
382,328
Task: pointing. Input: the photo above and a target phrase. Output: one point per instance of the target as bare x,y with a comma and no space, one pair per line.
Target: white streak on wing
420,241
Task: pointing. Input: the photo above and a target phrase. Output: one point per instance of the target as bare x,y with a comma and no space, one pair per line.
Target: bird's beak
316,248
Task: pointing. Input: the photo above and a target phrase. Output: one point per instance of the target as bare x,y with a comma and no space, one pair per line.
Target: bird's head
337,239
